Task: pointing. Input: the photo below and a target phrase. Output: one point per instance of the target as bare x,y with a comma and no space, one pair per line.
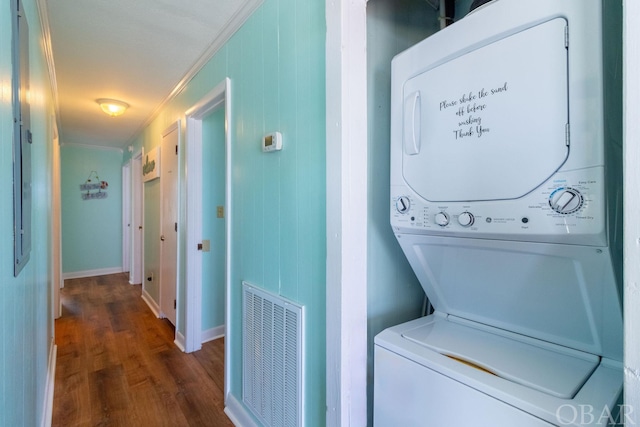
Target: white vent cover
272,375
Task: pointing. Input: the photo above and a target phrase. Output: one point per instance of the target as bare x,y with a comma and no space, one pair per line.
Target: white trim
151,303
94,147
48,53
126,216
47,413
179,340
57,282
631,129
233,25
236,412
91,273
347,180
219,96
213,334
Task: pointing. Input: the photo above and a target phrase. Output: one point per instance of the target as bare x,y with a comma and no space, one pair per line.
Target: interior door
126,217
169,222
135,275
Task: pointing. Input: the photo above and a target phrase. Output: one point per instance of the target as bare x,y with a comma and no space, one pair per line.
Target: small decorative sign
151,165
91,184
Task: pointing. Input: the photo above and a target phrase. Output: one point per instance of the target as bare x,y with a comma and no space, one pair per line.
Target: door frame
219,97
57,282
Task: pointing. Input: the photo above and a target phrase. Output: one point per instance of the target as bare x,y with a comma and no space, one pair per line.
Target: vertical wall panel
91,229
25,313
276,66
213,180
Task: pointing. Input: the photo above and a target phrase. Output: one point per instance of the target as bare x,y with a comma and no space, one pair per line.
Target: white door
169,222
126,217
135,275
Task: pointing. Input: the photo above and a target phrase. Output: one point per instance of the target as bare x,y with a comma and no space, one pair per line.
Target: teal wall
26,324
276,65
91,229
213,193
394,295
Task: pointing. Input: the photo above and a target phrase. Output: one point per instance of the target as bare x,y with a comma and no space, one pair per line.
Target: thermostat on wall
272,142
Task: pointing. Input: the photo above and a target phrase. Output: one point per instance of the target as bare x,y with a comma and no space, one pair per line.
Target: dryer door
491,124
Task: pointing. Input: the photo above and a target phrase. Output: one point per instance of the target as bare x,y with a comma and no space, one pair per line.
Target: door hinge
176,150
175,226
566,37
174,304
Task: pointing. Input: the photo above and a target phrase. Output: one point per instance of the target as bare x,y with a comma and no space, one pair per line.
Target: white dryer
504,201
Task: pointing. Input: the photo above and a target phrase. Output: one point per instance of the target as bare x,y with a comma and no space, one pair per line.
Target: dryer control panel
564,209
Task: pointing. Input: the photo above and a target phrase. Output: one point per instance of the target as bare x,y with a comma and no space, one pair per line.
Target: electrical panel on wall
22,138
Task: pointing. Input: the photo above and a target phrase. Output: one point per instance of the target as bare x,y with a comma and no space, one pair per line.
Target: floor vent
272,375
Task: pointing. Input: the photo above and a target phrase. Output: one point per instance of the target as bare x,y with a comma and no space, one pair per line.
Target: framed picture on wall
151,165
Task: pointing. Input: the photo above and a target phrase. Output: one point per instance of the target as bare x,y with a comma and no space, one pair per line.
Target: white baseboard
47,413
155,308
91,273
213,334
237,413
180,341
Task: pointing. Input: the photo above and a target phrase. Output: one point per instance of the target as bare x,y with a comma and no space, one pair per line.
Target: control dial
566,200
403,204
442,219
466,219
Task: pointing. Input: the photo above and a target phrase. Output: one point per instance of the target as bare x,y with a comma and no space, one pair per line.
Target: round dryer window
492,123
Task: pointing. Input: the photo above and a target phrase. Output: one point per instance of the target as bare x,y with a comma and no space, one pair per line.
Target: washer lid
542,366
562,294
491,124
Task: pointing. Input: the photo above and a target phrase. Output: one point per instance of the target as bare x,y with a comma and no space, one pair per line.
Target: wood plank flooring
117,364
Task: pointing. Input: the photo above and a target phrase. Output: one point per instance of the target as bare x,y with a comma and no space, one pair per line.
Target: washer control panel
568,208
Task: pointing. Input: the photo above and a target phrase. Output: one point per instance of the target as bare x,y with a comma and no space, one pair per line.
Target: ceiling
137,51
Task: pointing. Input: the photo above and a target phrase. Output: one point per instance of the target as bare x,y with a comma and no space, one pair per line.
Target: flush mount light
112,107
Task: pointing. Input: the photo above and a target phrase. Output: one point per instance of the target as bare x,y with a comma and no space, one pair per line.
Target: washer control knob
403,204
442,219
466,219
566,200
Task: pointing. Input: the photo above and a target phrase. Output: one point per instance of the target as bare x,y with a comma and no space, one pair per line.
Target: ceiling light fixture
112,107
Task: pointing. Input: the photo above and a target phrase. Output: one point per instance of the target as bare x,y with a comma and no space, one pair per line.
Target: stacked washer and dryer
505,200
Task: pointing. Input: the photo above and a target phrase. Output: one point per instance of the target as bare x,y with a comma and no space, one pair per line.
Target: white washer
503,200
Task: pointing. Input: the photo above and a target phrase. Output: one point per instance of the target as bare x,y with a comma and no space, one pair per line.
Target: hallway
117,364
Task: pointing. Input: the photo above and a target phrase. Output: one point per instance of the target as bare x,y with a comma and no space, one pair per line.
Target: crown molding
43,13
92,147
234,24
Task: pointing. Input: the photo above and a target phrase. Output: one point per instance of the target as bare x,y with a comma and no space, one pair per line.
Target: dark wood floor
117,364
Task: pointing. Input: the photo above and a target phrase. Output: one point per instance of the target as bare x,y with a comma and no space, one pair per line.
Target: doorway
213,107
169,221
213,231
